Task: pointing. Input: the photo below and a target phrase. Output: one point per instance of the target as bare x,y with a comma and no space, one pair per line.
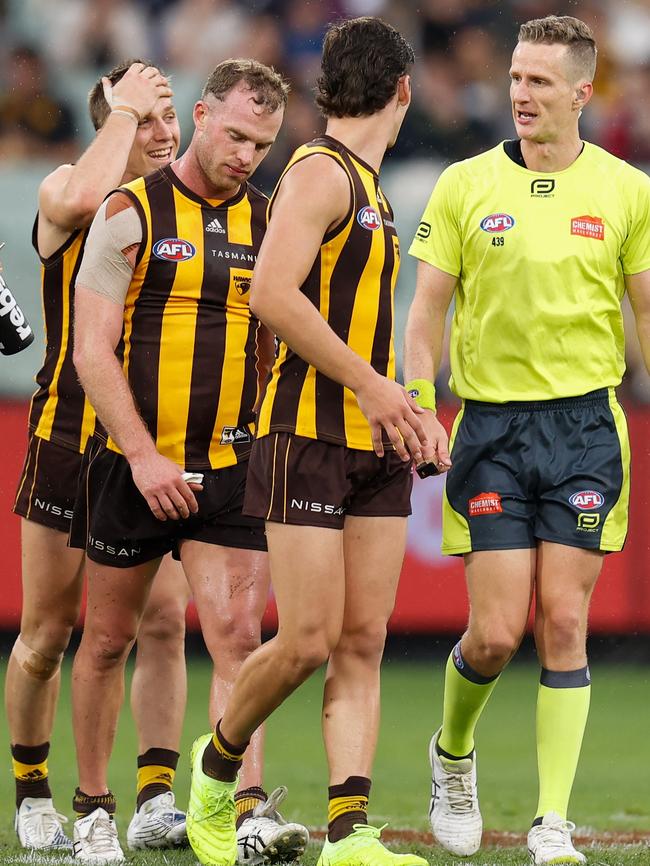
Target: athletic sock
156,771
245,802
84,804
30,771
466,694
347,806
221,759
562,710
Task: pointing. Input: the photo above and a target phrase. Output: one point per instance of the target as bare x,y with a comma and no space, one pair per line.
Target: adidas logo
32,775
215,226
233,435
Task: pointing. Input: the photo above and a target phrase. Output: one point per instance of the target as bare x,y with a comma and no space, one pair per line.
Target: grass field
611,795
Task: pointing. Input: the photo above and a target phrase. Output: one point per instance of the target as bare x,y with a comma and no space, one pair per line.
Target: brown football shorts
115,526
307,482
48,484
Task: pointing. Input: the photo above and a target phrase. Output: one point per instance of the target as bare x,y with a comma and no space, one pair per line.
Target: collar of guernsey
541,260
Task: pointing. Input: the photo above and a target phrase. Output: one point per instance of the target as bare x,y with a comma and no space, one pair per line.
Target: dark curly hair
363,59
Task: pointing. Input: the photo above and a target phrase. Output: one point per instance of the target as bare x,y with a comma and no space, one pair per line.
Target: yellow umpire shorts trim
456,537
615,526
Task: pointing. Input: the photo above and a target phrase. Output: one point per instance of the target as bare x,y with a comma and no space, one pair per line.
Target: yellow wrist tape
423,392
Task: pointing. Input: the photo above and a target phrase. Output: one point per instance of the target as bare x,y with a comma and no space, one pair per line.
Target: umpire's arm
638,289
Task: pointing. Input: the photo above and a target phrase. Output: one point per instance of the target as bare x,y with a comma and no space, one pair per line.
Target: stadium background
51,52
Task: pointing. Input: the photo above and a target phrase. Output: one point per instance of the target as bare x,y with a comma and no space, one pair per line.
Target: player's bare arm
313,198
68,198
423,339
265,352
98,328
638,289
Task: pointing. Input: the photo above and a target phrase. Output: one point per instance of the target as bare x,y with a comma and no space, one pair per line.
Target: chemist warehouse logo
174,250
496,223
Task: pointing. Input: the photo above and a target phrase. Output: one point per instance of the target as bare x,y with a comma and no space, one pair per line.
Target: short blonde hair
565,30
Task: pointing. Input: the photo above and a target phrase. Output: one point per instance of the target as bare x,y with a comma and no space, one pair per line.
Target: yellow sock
30,771
562,710
347,806
246,801
466,694
156,772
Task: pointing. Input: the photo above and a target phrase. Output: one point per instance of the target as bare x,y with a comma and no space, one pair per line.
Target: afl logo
496,223
174,250
585,500
369,218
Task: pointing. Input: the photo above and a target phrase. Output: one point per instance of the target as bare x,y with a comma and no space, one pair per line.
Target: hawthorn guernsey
174,250
544,319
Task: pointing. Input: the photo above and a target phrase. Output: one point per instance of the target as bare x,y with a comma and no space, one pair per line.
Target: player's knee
49,632
365,641
106,649
163,626
492,650
300,658
233,636
564,630
36,664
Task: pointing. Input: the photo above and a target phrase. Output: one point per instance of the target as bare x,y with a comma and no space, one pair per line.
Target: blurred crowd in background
52,50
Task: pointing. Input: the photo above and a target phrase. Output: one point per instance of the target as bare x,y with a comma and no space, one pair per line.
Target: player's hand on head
140,88
387,407
161,483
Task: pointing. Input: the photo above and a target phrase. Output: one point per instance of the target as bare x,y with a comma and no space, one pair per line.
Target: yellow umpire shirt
540,260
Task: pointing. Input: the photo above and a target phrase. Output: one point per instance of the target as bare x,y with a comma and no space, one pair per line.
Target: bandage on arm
105,269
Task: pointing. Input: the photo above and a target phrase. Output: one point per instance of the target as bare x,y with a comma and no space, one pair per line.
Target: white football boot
158,824
265,837
39,826
94,840
550,842
454,813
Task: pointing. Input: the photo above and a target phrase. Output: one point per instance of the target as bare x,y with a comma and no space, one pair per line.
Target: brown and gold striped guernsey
59,411
351,283
189,340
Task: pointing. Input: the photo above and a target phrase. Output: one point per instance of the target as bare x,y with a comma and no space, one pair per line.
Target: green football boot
363,848
211,813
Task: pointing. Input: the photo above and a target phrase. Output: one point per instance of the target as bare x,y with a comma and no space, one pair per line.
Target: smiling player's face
156,141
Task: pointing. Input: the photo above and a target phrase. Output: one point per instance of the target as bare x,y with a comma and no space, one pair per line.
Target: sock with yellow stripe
30,771
466,694
562,710
245,802
84,804
221,759
347,806
156,771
